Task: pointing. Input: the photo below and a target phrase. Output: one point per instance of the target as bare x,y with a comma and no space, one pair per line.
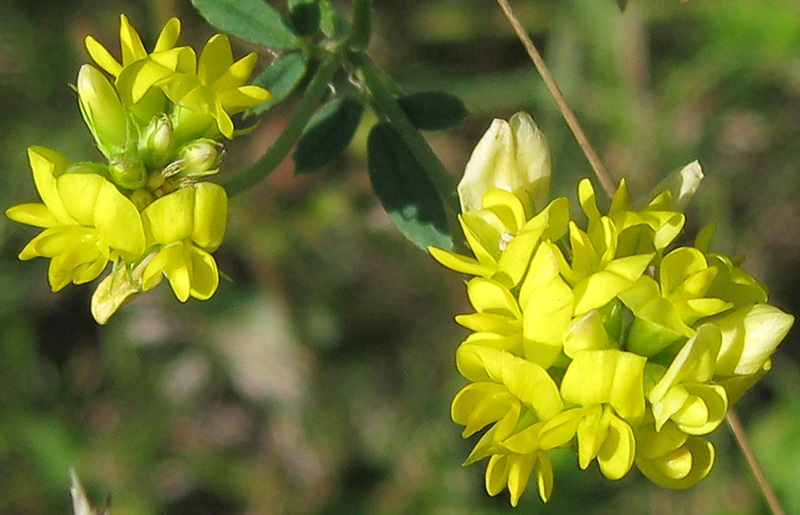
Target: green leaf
252,20
332,23
433,110
405,192
305,16
362,24
328,134
281,78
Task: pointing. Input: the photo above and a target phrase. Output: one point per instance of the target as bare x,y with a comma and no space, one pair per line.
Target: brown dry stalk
541,67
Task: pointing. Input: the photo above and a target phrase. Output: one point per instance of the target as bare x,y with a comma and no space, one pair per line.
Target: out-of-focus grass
318,380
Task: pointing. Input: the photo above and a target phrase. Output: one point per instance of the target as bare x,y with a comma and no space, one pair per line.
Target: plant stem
594,160
383,100
273,157
761,479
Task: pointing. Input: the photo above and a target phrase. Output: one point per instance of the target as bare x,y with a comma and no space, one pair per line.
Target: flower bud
155,144
127,173
198,158
102,111
513,156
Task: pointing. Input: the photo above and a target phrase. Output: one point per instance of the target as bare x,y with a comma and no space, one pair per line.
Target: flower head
86,220
218,87
600,337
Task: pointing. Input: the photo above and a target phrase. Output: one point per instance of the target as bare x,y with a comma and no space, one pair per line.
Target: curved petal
204,275
32,214
215,59
210,215
171,217
119,222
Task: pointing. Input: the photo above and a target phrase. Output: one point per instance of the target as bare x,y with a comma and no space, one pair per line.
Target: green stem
384,102
273,157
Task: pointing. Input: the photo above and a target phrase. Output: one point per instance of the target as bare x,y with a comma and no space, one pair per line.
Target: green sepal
433,110
305,15
252,20
405,192
362,24
328,134
281,78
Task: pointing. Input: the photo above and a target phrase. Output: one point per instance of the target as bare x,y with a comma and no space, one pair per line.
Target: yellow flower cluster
144,210
602,338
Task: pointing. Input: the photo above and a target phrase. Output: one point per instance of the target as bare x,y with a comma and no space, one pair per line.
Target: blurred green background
318,379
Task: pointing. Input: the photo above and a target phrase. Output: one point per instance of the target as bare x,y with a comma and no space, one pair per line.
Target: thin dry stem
608,186
561,102
744,444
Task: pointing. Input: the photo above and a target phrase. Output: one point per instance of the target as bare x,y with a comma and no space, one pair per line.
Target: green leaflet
404,190
253,20
433,110
305,16
280,79
328,133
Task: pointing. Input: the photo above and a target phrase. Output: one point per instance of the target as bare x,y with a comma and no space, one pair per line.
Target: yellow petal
47,165
215,59
171,217
79,193
119,222
204,276
168,35
617,453
32,214
132,46
459,263
210,215
102,56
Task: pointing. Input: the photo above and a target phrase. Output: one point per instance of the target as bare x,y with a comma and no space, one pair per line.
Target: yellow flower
670,457
185,227
140,70
87,221
217,88
684,393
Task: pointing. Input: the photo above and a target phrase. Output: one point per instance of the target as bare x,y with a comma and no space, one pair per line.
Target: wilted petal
511,155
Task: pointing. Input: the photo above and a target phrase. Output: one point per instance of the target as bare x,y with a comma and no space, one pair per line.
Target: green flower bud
102,111
196,159
127,172
156,142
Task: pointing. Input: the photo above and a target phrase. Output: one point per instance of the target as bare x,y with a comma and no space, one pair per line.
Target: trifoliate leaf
433,110
280,79
252,20
404,190
305,16
328,134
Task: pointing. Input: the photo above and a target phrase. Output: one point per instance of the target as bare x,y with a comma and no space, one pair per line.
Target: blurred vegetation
318,379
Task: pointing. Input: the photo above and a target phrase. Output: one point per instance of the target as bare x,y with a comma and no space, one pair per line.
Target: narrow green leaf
433,110
252,20
332,23
328,134
305,16
362,24
281,78
405,192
